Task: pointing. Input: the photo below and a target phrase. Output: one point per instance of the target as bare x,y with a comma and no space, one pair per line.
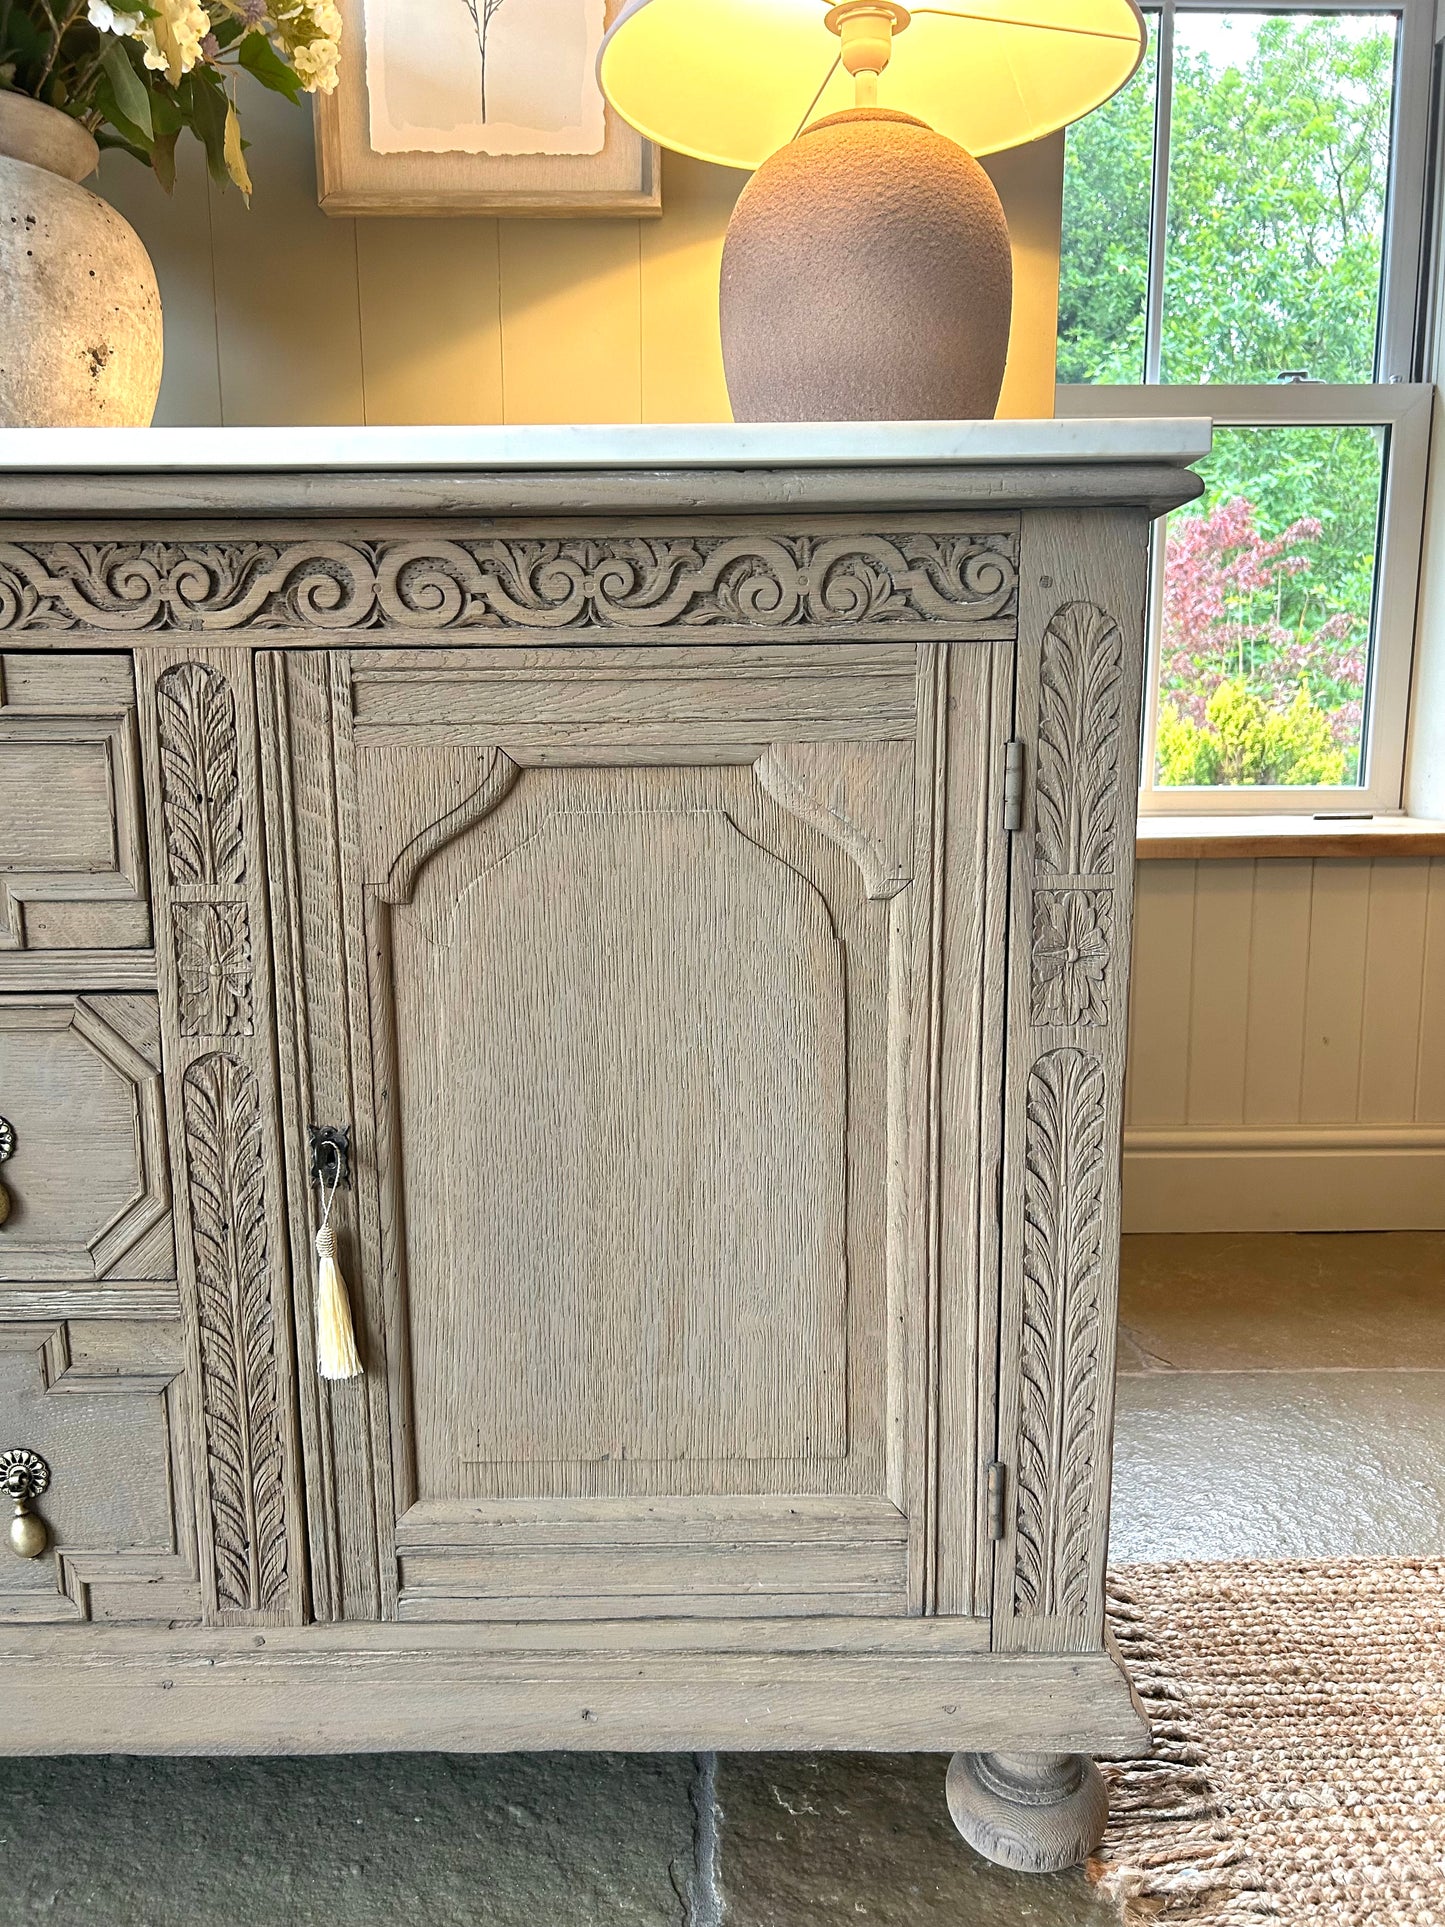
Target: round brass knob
24,1475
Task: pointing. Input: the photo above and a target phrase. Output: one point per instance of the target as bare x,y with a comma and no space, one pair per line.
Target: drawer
72,837
100,1401
87,1180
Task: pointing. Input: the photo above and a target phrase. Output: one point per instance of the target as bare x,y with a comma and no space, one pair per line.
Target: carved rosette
1072,952
213,969
1062,1330
854,582
238,1339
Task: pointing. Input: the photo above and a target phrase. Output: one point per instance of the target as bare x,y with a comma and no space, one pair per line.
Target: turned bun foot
1034,1812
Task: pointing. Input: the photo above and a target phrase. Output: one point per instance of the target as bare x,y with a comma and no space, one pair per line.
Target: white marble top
630,445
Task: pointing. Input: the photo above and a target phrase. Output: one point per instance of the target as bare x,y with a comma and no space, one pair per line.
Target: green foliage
1277,185
1243,741
1279,160
140,73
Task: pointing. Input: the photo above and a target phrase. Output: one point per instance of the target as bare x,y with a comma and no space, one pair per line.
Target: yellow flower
172,38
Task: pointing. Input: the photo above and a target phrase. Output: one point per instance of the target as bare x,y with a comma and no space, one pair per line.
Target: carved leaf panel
1063,1230
200,750
1078,693
240,1366
200,776
1079,739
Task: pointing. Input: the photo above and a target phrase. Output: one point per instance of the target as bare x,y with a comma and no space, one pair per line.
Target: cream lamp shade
866,273
732,81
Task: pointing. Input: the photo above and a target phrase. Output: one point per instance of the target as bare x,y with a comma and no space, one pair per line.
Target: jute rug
1298,1771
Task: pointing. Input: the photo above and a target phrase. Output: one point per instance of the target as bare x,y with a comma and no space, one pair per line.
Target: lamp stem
866,29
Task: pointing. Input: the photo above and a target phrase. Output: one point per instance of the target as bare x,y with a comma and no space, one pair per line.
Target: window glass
1278,164
1104,262
1269,593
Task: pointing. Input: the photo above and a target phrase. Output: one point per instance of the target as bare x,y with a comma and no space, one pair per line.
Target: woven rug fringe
1168,1837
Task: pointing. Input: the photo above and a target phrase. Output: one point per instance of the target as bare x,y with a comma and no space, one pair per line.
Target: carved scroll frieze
1072,949
200,776
1061,1341
213,969
239,1344
747,580
1079,742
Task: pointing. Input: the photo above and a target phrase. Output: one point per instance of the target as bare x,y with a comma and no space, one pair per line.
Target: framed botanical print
477,107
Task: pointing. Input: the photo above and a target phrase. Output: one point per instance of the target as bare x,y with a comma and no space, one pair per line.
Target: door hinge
997,1488
1013,784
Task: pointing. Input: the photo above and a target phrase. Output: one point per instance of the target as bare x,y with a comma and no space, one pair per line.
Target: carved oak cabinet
696,873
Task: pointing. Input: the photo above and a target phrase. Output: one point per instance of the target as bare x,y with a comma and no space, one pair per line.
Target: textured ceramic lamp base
866,276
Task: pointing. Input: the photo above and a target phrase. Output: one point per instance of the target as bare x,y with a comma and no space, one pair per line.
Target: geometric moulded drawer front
72,848
101,1402
80,1088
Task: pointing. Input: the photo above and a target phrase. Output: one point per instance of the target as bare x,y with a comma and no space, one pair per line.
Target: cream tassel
336,1355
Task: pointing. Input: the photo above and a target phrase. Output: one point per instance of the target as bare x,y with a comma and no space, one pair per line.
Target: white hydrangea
315,62
108,20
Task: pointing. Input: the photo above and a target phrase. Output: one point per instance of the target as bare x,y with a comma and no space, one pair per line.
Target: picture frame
493,77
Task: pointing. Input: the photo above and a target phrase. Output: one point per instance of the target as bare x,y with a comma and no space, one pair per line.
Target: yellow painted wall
285,315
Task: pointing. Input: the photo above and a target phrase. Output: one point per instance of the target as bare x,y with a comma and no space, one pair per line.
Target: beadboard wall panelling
1287,1046
281,314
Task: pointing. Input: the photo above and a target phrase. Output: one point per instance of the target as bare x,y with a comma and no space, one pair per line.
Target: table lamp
866,273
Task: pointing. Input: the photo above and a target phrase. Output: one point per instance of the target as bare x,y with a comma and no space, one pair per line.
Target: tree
482,12
1278,174
1277,187
1276,696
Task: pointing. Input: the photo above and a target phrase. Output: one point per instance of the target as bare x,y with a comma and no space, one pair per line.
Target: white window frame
1395,401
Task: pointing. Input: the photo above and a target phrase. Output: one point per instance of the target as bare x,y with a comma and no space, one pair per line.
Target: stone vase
80,312
866,276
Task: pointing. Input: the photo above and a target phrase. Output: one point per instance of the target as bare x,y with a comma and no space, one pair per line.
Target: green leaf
130,135
108,142
166,115
207,114
163,160
261,60
130,93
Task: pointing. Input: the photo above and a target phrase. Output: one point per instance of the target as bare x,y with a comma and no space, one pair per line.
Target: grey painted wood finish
734,1101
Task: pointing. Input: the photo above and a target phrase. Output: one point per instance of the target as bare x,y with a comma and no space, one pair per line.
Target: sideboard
680,880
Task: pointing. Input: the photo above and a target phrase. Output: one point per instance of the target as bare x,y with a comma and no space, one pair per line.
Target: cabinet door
653,986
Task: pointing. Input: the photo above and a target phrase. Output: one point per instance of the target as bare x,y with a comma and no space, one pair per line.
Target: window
1243,239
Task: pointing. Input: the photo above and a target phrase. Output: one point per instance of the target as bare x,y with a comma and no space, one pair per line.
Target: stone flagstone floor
1279,1396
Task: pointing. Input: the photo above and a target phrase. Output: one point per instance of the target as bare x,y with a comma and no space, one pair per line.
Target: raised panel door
663,1244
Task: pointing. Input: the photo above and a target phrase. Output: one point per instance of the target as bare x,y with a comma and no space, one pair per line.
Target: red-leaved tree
1223,620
